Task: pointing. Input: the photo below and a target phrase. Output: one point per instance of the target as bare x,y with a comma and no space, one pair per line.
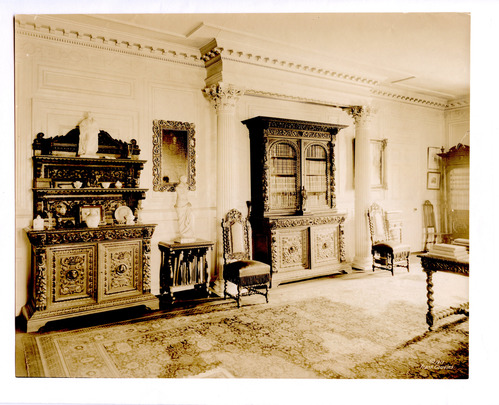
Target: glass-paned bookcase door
459,188
283,177
316,176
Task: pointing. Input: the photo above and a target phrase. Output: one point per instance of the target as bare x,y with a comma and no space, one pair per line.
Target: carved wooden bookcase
296,226
456,191
78,270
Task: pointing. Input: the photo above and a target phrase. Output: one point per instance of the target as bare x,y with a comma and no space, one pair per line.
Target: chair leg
408,263
267,293
238,295
391,264
225,289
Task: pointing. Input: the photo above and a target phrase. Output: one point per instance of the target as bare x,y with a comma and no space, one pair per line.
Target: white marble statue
89,137
184,212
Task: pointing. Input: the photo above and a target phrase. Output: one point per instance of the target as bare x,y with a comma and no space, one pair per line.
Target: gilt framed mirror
173,154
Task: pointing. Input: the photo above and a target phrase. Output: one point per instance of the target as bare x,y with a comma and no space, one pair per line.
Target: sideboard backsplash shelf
65,183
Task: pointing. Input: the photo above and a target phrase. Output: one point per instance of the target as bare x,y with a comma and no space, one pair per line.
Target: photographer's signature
437,365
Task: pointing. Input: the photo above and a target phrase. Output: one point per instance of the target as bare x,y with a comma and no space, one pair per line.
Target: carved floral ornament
276,223
224,96
89,235
361,115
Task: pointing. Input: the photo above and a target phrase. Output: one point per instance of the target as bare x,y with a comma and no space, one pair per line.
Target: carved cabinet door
324,245
292,249
120,265
72,276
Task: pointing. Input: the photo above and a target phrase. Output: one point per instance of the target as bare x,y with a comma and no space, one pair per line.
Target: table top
188,245
438,263
442,258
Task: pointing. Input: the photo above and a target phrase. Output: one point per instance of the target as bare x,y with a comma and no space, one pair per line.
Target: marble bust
89,137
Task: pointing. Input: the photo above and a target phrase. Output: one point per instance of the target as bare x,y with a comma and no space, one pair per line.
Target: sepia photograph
189,209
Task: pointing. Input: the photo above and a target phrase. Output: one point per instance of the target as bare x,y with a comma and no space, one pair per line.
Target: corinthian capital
361,114
223,96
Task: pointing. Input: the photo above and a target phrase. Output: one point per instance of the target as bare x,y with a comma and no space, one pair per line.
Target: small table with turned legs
432,264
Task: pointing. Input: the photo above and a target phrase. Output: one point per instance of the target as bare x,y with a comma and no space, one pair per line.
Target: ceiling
424,52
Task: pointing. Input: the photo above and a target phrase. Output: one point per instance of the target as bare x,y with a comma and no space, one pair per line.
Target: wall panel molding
54,116
288,97
70,80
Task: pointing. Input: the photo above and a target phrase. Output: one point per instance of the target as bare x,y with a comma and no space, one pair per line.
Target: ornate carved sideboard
77,267
85,271
296,226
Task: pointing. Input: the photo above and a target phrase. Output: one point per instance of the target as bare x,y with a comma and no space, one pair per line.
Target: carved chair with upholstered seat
386,254
249,276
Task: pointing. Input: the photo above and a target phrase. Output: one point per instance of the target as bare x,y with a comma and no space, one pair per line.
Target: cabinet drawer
120,265
73,275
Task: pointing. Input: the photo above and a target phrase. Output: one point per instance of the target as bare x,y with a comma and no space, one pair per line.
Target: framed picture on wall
378,147
433,158
95,210
433,181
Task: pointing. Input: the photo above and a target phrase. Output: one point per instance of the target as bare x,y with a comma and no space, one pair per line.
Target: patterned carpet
312,338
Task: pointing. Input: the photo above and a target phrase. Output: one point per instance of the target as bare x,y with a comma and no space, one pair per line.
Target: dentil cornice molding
63,31
389,93
216,53
458,103
60,32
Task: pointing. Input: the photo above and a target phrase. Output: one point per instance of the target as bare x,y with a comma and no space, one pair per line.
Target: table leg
206,273
166,276
429,295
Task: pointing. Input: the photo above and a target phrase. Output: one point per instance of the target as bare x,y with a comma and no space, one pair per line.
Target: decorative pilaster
224,98
362,116
41,279
146,266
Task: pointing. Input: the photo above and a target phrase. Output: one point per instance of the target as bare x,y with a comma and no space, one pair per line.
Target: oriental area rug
317,337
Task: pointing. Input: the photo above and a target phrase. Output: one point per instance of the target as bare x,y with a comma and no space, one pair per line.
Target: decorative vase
38,223
130,219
